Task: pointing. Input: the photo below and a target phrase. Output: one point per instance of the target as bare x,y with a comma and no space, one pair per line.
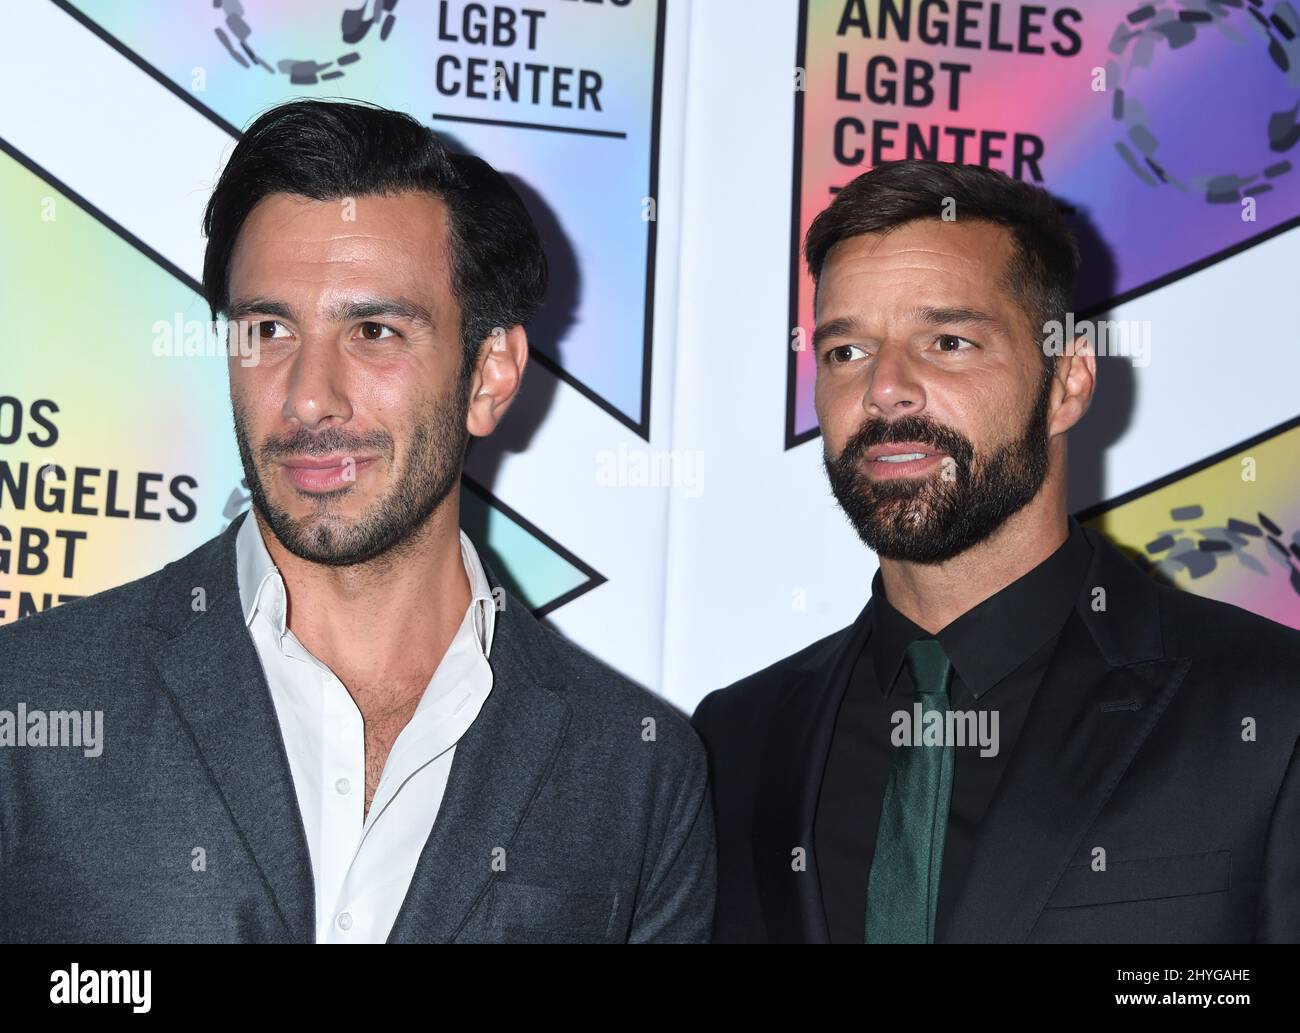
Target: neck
933,595
385,623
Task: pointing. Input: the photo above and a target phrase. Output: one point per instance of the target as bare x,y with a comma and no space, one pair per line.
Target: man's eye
377,331
953,343
842,353
266,329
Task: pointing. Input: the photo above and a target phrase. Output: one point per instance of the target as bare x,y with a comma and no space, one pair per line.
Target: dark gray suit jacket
606,836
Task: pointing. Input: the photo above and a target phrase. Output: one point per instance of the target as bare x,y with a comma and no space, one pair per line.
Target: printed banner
561,96
1169,129
1227,528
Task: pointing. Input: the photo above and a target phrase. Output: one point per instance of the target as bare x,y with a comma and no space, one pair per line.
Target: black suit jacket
1136,745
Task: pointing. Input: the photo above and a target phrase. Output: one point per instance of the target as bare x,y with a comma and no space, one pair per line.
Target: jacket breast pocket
1148,878
529,913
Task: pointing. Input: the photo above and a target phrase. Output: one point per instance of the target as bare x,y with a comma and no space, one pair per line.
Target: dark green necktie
903,891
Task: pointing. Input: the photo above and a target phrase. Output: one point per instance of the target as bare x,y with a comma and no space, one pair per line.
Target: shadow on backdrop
546,334
1116,395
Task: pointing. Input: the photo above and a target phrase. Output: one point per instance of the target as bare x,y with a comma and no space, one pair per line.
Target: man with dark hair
332,723
1022,737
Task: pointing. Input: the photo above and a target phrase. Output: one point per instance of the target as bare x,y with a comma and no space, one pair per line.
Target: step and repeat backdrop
657,494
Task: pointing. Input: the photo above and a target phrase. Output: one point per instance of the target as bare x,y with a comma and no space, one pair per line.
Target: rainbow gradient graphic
586,174
1227,528
1171,128
88,505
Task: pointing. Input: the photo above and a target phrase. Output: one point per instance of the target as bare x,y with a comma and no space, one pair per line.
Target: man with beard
1022,737
331,723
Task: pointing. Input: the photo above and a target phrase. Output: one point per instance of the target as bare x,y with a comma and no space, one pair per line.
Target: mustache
330,441
907,428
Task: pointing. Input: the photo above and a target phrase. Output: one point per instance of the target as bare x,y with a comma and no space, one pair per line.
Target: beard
429,471
932,519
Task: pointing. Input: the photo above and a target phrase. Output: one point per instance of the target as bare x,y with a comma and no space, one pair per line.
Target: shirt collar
261,588
482,603
994,637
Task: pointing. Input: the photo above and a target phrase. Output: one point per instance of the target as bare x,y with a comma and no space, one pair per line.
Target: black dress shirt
999,651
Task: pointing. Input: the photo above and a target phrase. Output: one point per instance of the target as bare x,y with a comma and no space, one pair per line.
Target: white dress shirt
362,867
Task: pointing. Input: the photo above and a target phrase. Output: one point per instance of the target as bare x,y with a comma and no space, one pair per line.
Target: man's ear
1075,379
498,372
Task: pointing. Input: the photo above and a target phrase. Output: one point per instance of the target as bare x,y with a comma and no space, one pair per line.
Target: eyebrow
957,316
847,326
341,312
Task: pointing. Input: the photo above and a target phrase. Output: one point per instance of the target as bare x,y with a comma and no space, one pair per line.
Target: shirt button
344,921
343,786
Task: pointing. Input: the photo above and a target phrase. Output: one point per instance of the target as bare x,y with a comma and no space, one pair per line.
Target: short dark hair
1045,260
329,150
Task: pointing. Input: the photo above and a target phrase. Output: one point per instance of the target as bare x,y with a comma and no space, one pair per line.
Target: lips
325,473
327,463
901,452
903,459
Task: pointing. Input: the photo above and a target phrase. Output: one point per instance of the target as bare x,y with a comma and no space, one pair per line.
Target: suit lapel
1107,685
790,777
498,768
210,669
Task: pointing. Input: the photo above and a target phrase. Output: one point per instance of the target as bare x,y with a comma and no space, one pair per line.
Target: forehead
289,242
924,262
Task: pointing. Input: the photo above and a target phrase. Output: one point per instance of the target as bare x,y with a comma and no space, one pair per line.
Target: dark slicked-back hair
1045,258
330,150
